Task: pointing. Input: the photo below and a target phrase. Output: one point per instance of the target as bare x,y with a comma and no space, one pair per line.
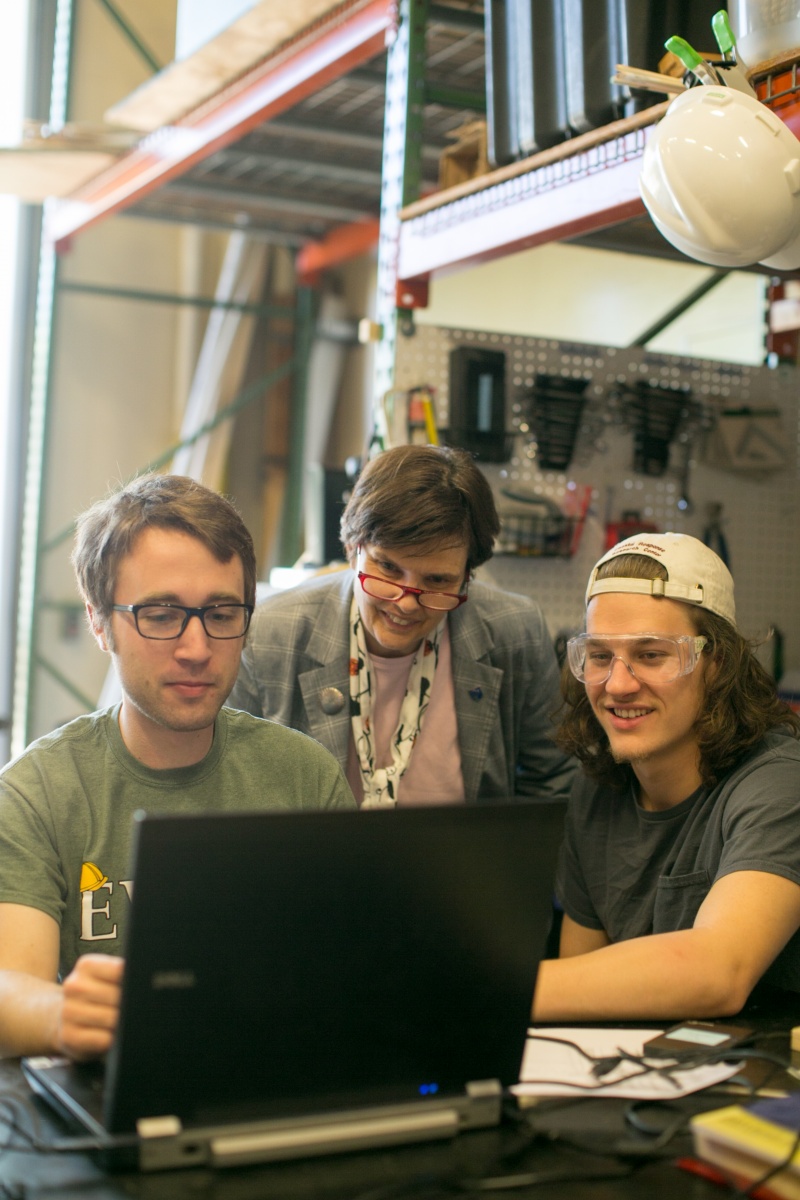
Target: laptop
305,983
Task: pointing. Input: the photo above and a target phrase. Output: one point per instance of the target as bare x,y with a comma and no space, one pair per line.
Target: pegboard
759,515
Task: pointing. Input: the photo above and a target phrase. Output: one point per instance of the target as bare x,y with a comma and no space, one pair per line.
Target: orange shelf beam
343,243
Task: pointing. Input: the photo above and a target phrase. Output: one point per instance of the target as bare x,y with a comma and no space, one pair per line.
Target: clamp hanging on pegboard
655,415
554,409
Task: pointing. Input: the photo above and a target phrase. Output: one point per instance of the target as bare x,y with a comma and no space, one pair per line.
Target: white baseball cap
695,574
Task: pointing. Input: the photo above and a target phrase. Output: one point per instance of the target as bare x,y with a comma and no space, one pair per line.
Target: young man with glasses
167,571
680,871
428,687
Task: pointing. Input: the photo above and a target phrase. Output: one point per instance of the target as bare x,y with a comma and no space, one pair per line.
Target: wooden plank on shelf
357,34
188,82
569,149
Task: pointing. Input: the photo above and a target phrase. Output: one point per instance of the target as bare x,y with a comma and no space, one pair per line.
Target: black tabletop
565,1149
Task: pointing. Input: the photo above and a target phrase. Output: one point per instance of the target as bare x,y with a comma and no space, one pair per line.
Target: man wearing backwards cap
680,871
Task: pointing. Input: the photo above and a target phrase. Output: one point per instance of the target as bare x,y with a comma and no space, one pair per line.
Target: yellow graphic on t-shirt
92,877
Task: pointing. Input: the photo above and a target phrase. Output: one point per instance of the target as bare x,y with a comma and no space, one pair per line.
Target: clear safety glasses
650,657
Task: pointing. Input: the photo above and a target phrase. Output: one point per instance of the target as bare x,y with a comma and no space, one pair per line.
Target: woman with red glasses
426,685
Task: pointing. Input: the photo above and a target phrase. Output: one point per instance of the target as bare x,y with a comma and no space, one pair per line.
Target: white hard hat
788,257
721,179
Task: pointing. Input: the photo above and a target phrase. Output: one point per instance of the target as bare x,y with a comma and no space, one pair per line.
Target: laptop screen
287,963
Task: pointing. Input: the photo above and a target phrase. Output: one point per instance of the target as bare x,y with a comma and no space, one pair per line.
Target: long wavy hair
740,704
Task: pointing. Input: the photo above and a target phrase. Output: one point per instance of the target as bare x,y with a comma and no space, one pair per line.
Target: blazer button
332,700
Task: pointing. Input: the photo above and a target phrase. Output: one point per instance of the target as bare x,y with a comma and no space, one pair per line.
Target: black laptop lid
290,963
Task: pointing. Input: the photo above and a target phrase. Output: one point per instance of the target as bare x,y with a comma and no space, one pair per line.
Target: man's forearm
664,976
29,1014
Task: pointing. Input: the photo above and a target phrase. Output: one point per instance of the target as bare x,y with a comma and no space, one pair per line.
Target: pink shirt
434,772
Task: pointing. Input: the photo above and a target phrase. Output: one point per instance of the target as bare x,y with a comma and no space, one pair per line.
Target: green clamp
724,34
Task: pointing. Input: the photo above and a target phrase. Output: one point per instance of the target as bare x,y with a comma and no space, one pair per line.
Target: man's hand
90,1006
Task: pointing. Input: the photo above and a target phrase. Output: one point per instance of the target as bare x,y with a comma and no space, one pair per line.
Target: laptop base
162,1143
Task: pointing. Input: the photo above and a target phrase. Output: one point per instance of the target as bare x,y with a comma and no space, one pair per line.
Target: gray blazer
505,678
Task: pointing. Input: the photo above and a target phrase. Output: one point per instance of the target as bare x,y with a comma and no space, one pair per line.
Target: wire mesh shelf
532,536
544,531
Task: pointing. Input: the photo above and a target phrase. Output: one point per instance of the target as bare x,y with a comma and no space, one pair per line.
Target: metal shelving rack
294,152
330,145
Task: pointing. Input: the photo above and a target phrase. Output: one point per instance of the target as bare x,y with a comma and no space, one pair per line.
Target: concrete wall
112,406
563,291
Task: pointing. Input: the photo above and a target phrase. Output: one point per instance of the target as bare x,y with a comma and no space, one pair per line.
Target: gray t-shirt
67,802
630,872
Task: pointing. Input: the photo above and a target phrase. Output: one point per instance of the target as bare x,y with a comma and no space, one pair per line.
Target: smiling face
397,627
650,726
172,690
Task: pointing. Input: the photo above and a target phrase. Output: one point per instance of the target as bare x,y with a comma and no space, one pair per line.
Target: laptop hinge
164,1143
484,1104
331,1137
158,1127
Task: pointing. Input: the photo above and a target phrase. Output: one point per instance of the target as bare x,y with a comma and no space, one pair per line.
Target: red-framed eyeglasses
384,589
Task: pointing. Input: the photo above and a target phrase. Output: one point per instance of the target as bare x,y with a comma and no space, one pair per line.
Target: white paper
555,1068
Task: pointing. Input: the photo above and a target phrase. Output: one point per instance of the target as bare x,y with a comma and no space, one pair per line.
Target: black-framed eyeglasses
383,589
164,622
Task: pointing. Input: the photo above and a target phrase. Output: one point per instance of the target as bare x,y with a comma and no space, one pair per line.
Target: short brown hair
422,496
107,531
740,705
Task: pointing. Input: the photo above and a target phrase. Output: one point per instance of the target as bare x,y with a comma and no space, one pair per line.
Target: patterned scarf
380,784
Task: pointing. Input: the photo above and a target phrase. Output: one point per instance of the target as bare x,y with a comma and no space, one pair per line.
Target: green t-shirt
67,802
